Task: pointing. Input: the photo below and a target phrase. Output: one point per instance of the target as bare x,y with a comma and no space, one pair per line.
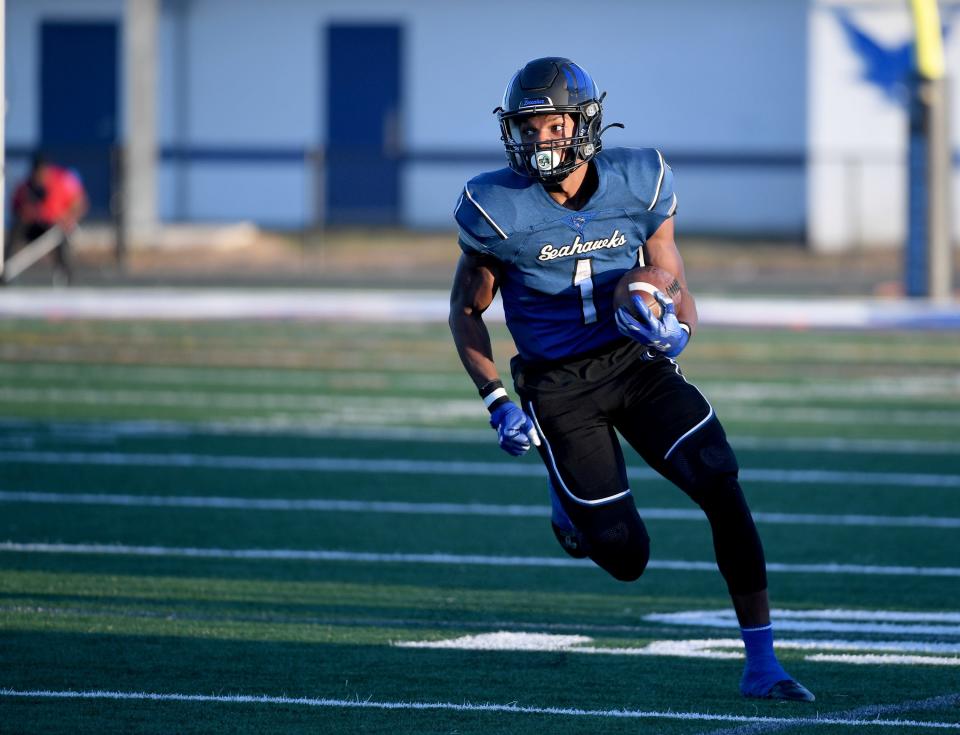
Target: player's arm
662,251
671,331
474,286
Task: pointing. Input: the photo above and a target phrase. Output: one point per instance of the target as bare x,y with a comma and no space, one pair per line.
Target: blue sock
762,670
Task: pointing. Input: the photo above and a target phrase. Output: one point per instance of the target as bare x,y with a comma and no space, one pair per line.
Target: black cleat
791,691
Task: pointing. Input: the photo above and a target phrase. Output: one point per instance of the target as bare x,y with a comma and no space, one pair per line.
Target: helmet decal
536,102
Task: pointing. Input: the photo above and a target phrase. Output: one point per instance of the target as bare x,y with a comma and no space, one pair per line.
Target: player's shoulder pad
486,209
647,175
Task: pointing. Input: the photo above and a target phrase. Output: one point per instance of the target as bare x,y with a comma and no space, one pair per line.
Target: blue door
363,118
78,103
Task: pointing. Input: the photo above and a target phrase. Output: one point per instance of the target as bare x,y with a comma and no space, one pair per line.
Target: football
643,281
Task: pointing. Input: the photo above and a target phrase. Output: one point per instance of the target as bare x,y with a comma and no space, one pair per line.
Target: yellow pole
3,132
926,22
929,251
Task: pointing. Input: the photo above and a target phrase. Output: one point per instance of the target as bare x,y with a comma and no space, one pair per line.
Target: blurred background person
50,197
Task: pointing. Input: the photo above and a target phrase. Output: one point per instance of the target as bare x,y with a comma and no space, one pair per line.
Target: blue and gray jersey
559,267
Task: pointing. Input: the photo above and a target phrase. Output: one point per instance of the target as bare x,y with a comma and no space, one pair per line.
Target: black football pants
578,408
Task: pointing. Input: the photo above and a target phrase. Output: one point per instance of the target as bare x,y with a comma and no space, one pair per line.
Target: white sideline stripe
105,430
378,305
448,559
465,509
882,659
944,702
199,303
441,467
464,707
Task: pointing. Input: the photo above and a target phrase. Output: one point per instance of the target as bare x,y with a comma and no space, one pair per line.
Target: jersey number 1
583,279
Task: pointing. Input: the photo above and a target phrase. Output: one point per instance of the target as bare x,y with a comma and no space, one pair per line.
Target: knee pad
616,539
702,462
571,541
625,562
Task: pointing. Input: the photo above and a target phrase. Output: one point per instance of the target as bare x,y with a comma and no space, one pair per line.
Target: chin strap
605,128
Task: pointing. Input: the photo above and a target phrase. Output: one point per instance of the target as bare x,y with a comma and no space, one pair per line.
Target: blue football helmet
551,85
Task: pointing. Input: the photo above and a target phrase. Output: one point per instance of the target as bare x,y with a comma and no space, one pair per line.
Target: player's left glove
666,334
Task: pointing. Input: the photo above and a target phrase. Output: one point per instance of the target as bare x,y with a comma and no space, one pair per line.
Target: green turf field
306,527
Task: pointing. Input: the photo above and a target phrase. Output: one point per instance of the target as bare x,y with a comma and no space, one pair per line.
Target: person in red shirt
51,196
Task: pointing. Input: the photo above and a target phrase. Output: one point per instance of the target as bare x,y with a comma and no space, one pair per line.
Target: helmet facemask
551,161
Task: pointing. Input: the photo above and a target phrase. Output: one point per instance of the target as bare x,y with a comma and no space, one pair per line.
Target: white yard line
374,410
944,387
240,401
447,467
428,508
815,416
845,445
463,707
30,430
447,559
855,389
259,377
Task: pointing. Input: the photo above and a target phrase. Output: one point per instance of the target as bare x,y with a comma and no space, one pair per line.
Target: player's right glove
666,334
515,430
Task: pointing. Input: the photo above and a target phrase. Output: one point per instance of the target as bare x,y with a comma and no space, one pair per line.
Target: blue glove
664,334
514,428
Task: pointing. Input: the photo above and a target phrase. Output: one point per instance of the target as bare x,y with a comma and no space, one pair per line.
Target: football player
553,233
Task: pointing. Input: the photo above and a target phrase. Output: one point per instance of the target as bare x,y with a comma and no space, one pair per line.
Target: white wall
683,76
687,76
858,134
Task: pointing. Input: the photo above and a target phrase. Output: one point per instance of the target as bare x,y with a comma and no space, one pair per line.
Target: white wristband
494,396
